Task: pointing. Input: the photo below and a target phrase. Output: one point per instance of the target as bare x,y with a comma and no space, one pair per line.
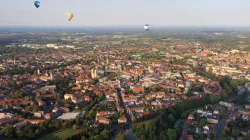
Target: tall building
14,61
107,61
52,75
38,71
93,73
195,64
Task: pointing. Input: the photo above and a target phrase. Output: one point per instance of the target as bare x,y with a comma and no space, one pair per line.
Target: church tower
107,61
93,74
52,75
38,71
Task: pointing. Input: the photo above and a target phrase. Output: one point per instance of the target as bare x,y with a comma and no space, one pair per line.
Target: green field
62,134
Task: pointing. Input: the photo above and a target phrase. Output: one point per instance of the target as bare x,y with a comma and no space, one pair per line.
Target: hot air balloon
37,4
146,27
69,16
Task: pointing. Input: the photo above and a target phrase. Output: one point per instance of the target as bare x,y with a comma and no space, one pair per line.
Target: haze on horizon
126,12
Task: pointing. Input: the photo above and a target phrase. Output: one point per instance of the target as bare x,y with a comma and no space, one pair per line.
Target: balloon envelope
146,27
37,4
69,16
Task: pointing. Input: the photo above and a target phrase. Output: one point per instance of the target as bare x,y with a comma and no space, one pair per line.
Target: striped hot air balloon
146,27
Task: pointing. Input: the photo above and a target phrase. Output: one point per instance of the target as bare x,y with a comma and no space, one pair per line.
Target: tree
105,134
9,131
215,98
163,135
235,133
78,120
35,108
74,127
172,111
142,137
202,122
37,132
184,115
171,119
224,138
19,133
30,133
83,138
225,133
171,134
65,125
18,94
120,136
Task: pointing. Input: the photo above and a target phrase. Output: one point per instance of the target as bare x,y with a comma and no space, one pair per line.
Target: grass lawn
145,122
61,134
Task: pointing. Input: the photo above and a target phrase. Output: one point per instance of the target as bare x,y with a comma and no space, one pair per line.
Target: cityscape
123,82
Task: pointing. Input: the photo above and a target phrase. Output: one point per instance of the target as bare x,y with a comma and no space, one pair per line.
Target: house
138,89
122,119
104,120
75,98
47,116
20,125
55,109
190,116
213,119
205,129
76,88
228,105
9,121
96,125
244,112
39,114
5,115
68,96
71,115
34,121
64,109
104,113
41,102
86,98
216,112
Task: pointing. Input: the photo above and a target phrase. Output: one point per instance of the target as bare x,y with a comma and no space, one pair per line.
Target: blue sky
126,12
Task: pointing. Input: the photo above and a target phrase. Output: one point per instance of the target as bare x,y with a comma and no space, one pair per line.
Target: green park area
62,134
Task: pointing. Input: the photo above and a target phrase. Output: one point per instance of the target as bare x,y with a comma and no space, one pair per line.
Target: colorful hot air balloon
146,27
69,16
37,4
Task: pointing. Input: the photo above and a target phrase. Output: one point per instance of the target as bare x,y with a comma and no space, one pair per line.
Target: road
123,106
222,125
220,128
128,133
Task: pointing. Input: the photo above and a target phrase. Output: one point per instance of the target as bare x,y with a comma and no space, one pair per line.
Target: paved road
128,133
222,125
117,130
220,128
123,105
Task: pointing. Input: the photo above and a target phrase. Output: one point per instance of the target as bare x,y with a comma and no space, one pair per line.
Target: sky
126,12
